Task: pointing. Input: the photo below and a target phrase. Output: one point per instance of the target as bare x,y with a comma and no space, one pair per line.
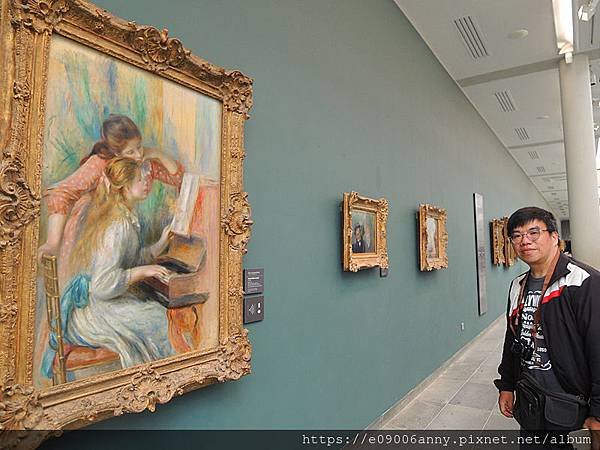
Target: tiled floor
463,396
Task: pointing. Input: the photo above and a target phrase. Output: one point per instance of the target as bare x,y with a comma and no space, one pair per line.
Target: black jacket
570,318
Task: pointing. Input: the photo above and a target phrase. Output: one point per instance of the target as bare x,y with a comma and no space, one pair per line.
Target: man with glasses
551,353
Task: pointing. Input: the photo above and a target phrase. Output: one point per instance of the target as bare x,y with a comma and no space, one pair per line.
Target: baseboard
413,393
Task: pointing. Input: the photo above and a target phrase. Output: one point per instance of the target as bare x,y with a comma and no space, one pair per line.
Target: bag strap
537,317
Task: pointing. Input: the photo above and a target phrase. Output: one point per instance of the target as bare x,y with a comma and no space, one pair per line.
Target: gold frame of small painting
364,232
433,238
498,240
510,256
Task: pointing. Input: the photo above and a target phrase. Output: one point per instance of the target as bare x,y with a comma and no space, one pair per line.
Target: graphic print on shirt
540,359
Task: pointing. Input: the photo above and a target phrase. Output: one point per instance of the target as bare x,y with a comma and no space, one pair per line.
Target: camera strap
537,317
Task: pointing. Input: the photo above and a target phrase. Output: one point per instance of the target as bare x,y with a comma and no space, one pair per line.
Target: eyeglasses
532,233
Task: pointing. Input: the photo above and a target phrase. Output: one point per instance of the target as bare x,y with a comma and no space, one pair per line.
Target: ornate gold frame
351,261
498,240
26,30
510,256
427,263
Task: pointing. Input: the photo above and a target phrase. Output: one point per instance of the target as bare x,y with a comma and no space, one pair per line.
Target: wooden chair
80,361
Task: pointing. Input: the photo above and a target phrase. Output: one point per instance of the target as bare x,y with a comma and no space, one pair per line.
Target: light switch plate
254,309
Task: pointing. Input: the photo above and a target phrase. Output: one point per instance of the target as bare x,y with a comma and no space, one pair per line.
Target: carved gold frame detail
351,261
428,263
510,256
498,240
26,30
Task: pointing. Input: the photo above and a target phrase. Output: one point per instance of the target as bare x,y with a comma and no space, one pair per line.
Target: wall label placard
254,281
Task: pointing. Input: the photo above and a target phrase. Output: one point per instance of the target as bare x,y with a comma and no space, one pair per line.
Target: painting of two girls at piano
130,179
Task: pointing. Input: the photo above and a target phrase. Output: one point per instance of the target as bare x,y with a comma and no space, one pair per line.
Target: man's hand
506,400
591,423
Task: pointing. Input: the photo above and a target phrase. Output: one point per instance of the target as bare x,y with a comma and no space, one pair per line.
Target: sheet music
186,203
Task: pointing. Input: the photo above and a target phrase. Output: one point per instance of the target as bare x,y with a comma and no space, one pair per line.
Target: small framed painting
364,232
433,238
497,230
510,256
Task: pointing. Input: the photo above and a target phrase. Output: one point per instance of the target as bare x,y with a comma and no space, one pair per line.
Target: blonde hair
107,205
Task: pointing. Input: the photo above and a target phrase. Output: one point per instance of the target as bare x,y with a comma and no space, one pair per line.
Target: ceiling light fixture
587,10
518,34
563,24
544,117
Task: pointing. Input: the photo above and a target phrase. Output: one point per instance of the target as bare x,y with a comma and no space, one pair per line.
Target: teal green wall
347,97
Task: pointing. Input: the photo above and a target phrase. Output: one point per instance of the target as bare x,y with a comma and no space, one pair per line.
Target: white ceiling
512,82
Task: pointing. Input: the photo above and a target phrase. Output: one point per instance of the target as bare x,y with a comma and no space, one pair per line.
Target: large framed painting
364,232
123,217
433,238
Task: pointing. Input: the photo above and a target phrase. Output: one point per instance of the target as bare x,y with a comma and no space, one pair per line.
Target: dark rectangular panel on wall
480,246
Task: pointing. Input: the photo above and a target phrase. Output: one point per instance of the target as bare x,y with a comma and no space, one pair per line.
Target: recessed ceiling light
518,34
543,117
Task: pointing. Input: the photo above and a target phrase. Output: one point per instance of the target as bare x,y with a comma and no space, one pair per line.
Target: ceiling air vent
541,169
471,36
534,155
551,187
505,100
522,134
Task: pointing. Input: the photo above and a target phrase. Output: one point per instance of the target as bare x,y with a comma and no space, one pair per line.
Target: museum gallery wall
330,115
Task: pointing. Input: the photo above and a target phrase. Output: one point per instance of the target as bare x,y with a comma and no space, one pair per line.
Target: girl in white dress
111,259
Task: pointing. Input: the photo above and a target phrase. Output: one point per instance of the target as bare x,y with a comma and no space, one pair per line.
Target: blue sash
76,295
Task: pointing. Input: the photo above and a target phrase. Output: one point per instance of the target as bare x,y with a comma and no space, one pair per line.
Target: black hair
528,214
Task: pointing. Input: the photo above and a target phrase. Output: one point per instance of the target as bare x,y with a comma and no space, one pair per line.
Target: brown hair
108,204
117,131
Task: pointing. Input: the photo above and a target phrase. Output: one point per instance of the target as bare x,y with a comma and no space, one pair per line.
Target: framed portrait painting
123,218
364,232
433,238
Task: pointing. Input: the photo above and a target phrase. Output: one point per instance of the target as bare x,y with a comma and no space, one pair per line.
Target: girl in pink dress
67,200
